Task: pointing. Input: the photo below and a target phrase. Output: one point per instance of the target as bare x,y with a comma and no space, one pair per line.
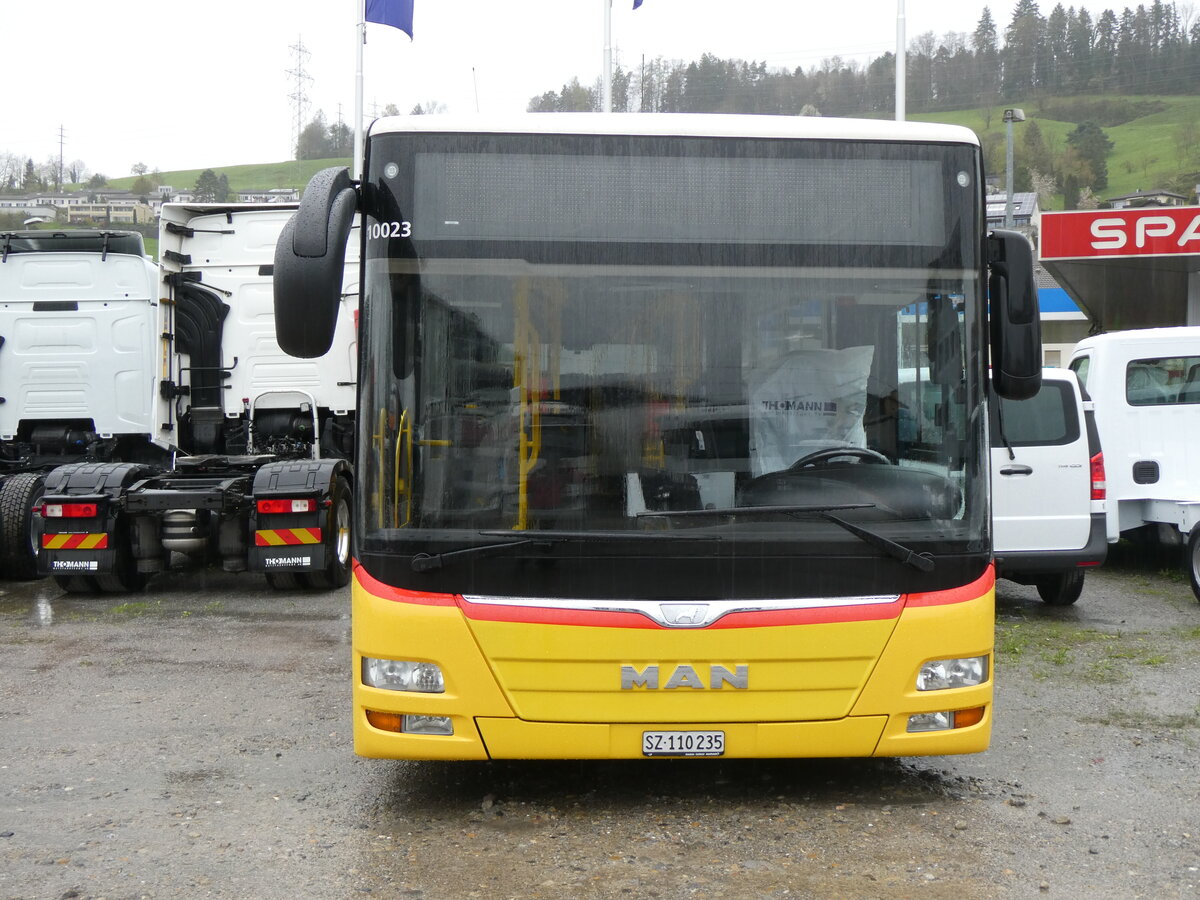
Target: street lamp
1010,116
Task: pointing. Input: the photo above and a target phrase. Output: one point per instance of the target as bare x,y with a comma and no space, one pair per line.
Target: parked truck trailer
206,444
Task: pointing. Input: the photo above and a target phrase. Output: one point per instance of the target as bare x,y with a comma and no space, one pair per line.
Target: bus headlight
940,674
398,675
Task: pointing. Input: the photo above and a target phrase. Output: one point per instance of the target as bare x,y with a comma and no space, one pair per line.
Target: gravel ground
194,742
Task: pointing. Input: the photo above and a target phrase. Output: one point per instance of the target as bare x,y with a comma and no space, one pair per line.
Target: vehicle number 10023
683,743
401,229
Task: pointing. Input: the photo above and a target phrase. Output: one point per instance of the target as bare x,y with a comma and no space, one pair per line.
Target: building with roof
274,195
1139,199
1027,212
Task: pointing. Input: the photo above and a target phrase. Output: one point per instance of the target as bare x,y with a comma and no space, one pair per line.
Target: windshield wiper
909,557
425,562
922,561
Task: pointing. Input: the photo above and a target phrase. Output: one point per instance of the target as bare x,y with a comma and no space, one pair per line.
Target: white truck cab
79,350
1145,385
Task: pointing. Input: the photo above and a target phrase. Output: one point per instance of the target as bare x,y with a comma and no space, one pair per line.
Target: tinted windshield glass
538,360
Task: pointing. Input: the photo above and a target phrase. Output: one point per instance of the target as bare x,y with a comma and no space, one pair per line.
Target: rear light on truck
1099,484
287,506
69,510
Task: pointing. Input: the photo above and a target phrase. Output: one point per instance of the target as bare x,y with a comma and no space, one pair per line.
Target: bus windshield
712,347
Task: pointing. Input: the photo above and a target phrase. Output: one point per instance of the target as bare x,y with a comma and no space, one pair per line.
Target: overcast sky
186,85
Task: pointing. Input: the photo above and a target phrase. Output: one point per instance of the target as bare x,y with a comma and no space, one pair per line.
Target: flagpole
360,39
901,58
606,78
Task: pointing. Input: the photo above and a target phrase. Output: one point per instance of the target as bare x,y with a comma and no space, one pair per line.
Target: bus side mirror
310,259
1016,330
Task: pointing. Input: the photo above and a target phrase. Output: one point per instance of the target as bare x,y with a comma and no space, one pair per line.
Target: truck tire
18,547
1192,561
125,577
77,584
1062,589
336,534
283,581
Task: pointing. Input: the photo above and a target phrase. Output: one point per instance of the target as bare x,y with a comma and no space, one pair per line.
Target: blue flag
397,13
637,3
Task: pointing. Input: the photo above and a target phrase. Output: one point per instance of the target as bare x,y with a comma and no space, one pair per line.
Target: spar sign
1151,231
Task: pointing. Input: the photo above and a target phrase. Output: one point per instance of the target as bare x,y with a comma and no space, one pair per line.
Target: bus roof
681,125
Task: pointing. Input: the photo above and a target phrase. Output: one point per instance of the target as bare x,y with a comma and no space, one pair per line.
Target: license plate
683,743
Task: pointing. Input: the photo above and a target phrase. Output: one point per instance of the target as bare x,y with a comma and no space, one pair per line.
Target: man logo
677,614
686,676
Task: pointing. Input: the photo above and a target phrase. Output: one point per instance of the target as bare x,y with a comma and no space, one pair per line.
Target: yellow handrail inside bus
403,470
378,442
526,380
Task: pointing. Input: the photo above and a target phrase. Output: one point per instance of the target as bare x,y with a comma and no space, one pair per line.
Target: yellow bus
634,477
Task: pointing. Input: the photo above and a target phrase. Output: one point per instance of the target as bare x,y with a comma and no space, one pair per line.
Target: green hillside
261,176
1146,153
1146,133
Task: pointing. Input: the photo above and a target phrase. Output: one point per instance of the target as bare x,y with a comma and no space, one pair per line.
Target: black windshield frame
833,562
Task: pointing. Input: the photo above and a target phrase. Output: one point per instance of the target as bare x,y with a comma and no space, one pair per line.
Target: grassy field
260,176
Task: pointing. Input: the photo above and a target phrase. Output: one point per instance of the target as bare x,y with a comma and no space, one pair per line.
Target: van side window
1080,367
1169,380
1048,418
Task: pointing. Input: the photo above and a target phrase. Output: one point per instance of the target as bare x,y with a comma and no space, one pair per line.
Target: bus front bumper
511,738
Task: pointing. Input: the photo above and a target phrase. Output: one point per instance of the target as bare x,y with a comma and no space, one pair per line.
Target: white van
1048,489
1145,385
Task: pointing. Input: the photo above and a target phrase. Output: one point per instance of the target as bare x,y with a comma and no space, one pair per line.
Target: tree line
320,139
1153,48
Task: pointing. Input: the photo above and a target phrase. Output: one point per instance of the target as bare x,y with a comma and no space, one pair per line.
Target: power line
299,96
61,138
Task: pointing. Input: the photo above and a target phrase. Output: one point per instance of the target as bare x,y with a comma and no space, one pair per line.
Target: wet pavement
194,741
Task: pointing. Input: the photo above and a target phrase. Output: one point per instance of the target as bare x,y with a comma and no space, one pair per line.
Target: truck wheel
129,581
1193,560
18,544
1062,589
124,578
337,540
77,584
283,581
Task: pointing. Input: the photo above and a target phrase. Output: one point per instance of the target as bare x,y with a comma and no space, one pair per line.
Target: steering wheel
819,457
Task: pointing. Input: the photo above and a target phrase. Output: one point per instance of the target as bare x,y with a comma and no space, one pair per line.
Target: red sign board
1149,231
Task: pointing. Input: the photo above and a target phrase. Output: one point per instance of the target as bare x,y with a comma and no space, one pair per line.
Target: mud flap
292,542
86,537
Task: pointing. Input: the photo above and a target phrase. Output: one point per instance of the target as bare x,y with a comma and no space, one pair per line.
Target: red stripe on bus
766,618
541,615
964,594
399,595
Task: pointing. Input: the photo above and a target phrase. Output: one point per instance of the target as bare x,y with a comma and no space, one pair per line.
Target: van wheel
1062,589
1193,560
